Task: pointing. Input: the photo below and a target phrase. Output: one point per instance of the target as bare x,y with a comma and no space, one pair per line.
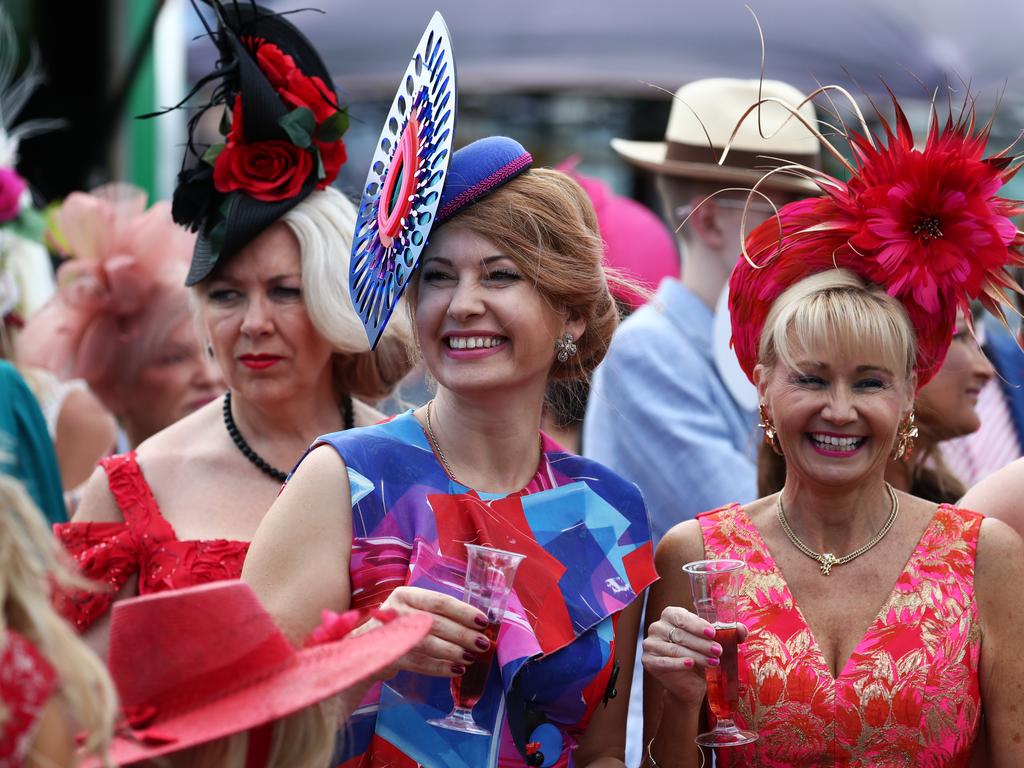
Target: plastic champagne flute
715,587
489,576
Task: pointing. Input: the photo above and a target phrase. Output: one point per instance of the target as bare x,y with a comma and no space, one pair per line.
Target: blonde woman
270,278
53,687
880,628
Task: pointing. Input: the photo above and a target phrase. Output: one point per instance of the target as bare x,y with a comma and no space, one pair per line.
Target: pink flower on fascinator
12,186
126,264
930,219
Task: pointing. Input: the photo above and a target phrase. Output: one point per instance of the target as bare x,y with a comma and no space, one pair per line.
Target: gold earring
905,436
771,436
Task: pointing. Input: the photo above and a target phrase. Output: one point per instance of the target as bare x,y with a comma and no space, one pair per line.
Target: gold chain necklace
827,559
440,453
437,446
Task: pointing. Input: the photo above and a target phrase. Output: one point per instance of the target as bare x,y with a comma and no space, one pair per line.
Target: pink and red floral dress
909,693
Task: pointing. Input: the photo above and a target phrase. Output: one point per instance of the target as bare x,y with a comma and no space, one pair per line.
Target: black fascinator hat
281,134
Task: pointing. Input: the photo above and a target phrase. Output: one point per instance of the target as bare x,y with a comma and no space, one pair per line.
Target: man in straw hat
662,412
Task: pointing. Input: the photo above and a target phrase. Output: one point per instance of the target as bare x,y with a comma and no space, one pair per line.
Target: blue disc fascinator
406,178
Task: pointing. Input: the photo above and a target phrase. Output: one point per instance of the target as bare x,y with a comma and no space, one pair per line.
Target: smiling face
257,323
836,413
482,325
946,405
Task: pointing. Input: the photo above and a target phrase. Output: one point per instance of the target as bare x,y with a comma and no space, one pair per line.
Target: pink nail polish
709,633
716,649
688,663
712,662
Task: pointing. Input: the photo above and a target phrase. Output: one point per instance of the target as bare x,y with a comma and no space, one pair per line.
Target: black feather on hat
282,130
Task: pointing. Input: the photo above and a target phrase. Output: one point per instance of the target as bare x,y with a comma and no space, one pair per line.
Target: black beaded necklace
348,415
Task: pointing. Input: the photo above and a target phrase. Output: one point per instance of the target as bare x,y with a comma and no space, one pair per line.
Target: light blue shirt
660,415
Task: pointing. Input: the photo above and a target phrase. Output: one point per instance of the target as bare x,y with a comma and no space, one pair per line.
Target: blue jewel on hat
478,169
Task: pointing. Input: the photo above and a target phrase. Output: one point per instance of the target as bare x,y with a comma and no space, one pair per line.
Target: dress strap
134,497
728,533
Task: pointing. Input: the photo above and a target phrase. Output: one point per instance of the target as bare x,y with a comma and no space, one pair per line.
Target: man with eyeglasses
661,411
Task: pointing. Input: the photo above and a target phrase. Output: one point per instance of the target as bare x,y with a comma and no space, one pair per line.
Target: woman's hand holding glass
678,648
455,638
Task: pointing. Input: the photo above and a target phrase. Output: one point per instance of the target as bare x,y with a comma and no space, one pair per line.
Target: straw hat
720,103
198,664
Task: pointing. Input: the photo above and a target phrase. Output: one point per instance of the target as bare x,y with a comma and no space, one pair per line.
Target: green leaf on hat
210,155
331,129
321,172
299,124
225,123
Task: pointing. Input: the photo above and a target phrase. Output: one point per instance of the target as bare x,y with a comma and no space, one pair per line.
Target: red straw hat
197,664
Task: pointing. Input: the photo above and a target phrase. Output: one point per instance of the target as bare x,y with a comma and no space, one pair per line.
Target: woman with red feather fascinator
269,274
842,306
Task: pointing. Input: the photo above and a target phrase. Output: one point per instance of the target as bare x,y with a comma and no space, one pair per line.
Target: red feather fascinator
926,224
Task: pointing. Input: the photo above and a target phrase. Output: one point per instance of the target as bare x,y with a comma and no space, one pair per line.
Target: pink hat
198,664
126,272
637,244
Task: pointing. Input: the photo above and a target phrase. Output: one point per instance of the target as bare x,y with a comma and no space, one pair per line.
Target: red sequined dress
26,682
909,693
144,544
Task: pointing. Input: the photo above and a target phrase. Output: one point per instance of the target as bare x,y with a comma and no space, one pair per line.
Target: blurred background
563,77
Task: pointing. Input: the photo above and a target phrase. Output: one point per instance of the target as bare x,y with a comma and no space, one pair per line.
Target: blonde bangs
839,312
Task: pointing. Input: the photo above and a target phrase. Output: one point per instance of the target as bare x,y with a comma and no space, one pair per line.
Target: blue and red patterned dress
587,542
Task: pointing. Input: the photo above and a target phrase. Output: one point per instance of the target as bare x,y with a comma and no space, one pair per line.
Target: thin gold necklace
440,453
827,559
437,446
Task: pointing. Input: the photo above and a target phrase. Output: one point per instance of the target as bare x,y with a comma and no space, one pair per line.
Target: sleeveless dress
587,542
27,681
909,694
144,544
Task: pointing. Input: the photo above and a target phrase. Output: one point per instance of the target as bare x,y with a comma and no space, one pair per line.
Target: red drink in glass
723,680
468,688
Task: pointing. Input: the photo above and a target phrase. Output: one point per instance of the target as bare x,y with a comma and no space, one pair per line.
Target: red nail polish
458,669
469,657
709,633
483,643
480,621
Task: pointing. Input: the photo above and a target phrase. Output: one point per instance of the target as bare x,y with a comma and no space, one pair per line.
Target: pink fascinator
126,264
637,244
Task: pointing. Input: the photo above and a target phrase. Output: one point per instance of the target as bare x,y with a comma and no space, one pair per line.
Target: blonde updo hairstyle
837,309
545,222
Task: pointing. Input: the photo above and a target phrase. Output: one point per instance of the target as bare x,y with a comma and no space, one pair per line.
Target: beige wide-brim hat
719,103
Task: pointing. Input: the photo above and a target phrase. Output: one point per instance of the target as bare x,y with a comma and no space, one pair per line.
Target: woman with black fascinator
269,275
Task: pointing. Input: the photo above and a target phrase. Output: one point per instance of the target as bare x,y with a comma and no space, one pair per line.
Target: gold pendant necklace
827,559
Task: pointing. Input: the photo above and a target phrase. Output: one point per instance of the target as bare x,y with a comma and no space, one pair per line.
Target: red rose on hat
299,90
266,170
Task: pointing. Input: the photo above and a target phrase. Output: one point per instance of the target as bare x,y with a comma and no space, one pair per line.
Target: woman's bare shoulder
1000,495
